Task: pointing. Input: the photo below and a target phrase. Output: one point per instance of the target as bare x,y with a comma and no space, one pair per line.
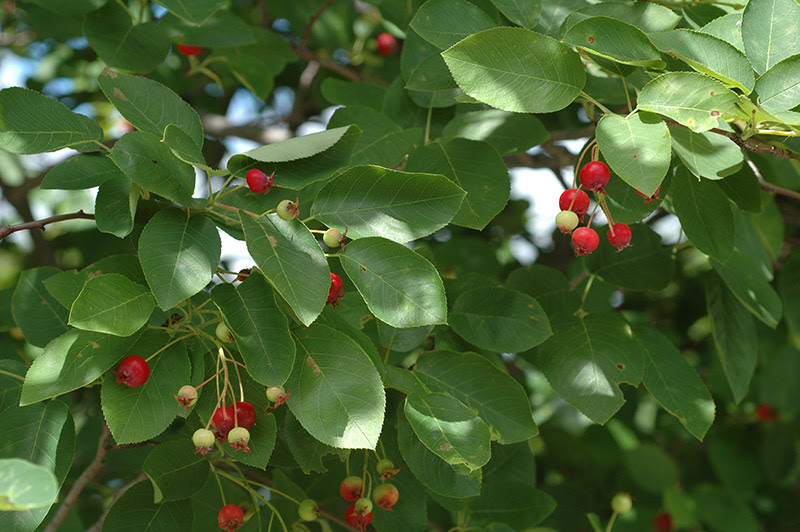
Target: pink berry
619,236
595,175
351,488
230,517
387,44
188,50
245,414
258,181
186,396
239,437
574,200
566,221
133,371
663,522
335,290
355,519
222,421
585,240
385,496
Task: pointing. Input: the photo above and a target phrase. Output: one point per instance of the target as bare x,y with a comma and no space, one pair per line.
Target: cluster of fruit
622,504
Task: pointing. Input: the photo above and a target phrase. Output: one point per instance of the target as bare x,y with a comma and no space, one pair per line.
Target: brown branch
769,187
320,11
88,474
98,526
324,63
39,224
751,144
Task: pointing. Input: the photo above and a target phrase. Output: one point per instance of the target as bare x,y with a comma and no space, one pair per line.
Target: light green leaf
81,171
292,261
24,485
524,13
674,383
383,142
587,359
176,470
196,11
743,189
475,167
770,32
508,133
499,319
115,205
136,511
402,340
35,311
645,16
112,304
615,40
646,265
138,414
518,505
472,379
375,201
399,286
779,87
445,22
336,392
179,255
707,54
637,149
750,286
694,100
517,70
33,123
706,154
184,148
449,429
150,164
727,28
432,75
259,327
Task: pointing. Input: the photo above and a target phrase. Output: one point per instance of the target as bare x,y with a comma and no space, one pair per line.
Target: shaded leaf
36,312
112,304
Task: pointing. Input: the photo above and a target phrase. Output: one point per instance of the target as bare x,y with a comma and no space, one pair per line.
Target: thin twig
39,224
324,63
87,475
769,187
120,492
320,11
750,144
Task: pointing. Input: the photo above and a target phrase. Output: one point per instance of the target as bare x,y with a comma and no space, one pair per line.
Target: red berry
133,371
258,181
351,488
230,517
355,519
619,236
765,412
386,496
663,522
580,204
245,414
188,50
222,421
649,199
244,273
595,176
387,44
585,240
335,290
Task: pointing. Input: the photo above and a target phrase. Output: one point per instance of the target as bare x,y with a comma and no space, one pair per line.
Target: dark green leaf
750,286
706,154
81,171
115,205
615,40
524,13
651,468
646,265
518,505
779,87
445,22
176,470
36,312
383,142
340,92
136,511
508,133
769,32
196,11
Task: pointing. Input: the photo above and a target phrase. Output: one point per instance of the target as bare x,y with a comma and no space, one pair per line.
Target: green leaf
401,340
499,319
176,470
586,360
646,265
73,360
222,29
735,336
637,149
475,167
196,11
769,32
523,13
517,70
748,283
706,154
735,465
336,392
615,40
518,505
36,312
292,261
674,383
645,16
705,214
727,28
136,511
11,386
722,510
445,22
472,379
547,285
383,142
33,123
121,44
508,133
375,201
707,54
694,100
112,304
81,171
306,449
432,76
341,92
185,149
138,414
150,164
651,468
779,87
115,206
789,288
399,286
179,255
260,328
449,429
743,189
24,485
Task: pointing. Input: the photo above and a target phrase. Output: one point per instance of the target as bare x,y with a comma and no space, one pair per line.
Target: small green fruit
308,510
567,221
224,334
288,210
363,506
274,393
332,238
621,503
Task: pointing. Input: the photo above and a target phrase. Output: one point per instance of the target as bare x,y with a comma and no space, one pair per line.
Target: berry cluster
359,514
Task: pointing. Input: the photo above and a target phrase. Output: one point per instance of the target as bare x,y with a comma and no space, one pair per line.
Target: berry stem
306,220
611,522
173,342
599,105
221,354
219,483
591,217
586,289
221,193
627,95
607,212
239,377
257,494
207,380
9,374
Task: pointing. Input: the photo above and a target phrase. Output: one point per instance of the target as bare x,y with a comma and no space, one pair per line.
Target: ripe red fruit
579,206
188,50
245,414
355,519
351,488
619,236
386,496
663,522
258,181
335,291
766,413
244,273
230,517
595,176
222,421
585,240
387,44
133,371
649,199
